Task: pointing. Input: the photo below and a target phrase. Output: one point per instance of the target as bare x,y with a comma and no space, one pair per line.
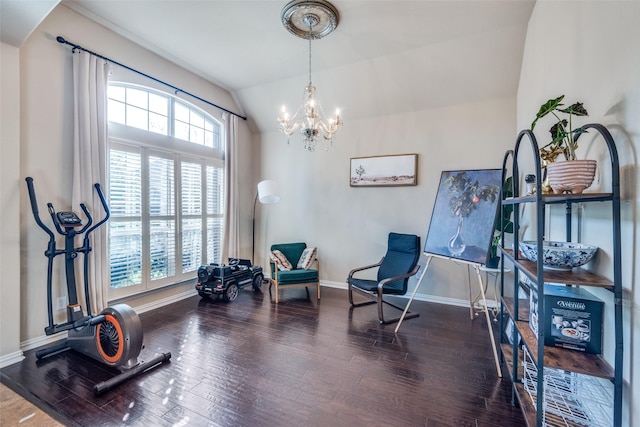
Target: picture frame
464,214
384,171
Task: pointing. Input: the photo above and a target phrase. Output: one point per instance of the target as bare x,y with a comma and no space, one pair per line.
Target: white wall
10,202
349,225
37,141
590,52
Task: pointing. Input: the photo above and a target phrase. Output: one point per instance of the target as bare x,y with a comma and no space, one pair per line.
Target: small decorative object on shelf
572,175
530,180
559,255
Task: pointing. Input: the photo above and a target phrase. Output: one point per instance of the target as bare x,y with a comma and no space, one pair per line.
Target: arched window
166,173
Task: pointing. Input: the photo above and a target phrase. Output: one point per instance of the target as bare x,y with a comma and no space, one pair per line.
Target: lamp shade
268,192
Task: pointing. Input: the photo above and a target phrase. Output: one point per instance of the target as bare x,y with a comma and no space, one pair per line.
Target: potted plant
571,175
503,224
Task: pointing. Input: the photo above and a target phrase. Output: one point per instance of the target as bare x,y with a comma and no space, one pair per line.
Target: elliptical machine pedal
114,337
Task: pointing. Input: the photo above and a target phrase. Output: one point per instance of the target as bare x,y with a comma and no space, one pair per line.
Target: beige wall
350,225
9,202
590,52
43,149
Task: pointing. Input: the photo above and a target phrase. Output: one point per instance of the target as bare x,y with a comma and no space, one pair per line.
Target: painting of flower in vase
464,214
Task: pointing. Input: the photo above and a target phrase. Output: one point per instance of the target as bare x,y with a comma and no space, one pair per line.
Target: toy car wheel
257,282
231,293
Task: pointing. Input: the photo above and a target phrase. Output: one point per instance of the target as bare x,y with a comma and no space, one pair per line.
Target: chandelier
310,20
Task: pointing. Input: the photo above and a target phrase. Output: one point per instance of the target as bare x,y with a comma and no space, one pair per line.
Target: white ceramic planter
571,176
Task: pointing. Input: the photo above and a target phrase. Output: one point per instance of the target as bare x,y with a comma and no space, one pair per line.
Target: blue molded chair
394,271
297,277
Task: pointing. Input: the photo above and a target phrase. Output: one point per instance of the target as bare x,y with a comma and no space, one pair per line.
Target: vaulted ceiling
385,57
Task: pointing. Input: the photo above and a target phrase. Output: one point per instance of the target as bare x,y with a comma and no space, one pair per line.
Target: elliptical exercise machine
114,337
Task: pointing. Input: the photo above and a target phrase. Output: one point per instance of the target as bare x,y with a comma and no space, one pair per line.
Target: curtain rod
176,89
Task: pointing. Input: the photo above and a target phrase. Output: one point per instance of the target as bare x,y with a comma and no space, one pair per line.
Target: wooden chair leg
275,285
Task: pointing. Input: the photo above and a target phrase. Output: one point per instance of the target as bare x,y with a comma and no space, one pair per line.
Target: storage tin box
573,318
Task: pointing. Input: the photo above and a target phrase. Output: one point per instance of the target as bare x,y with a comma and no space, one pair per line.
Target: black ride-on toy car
227,280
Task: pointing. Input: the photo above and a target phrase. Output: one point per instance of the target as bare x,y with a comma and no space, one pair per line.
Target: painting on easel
464,215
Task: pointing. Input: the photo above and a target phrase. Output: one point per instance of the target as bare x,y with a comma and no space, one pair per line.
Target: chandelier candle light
310,19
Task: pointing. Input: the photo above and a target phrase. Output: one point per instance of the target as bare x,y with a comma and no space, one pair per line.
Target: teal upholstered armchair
293,265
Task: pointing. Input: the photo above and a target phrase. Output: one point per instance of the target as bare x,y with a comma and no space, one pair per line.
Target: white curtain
90,76
231,242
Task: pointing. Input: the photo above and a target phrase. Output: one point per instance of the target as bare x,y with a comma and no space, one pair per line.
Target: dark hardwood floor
254,363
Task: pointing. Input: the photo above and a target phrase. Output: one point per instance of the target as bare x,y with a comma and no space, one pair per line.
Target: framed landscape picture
464,215
380,171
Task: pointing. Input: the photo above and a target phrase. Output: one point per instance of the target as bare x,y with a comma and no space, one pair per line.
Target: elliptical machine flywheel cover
119,338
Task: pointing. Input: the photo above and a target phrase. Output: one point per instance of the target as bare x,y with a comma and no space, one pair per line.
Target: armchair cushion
401,257
307,258
281,260
292,251
297,276
366,284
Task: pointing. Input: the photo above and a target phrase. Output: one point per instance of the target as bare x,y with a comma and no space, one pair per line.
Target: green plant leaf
546,108
558,131
576,109
577,133
505,225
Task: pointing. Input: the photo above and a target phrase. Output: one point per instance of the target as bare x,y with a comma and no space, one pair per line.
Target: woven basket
571,176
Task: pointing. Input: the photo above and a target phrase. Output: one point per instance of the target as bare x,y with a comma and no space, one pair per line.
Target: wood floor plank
301,362
15,410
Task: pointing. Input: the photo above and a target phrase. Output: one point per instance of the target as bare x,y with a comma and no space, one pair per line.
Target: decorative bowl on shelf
558,255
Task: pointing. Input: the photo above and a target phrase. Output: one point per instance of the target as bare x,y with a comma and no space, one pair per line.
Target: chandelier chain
309,62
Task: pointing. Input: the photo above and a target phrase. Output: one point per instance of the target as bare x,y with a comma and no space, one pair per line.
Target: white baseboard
42,340
418,296
165,301
11,358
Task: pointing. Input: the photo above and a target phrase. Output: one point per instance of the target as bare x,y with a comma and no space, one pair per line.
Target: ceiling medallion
310,19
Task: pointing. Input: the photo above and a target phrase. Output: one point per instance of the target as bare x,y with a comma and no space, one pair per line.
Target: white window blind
162,219
125,227
191,216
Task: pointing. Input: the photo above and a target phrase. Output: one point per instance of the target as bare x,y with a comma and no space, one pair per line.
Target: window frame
150,144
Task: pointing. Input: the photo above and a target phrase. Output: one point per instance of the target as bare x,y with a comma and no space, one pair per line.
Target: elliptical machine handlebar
34,208
87,248
52,212
105,206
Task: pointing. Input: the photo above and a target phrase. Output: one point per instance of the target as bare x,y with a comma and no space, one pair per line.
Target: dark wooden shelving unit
523,339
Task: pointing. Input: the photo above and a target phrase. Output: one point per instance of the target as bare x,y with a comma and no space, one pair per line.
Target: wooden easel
476,267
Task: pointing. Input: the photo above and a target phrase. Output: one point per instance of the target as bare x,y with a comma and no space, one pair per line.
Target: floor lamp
267,194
